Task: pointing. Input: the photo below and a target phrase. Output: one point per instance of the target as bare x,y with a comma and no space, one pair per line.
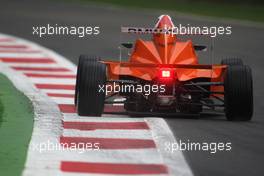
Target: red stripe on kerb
65,108
41,69
113,168
55,86
14,46
106,125
60,95
6,40
39,75
20,51
107,143
27,60
113,108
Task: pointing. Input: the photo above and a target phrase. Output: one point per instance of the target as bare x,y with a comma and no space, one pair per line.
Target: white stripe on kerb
23,55
61,100
48,65
56,91
63,81
128,134
105,118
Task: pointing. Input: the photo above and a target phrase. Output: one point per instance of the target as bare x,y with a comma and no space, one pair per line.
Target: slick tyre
232,61
90,99
238,88
82,58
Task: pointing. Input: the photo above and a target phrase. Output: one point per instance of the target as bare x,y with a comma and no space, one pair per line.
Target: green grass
16,124
250,11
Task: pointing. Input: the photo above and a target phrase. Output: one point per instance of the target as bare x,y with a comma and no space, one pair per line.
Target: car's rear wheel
238,93
90,98
232,61
82,58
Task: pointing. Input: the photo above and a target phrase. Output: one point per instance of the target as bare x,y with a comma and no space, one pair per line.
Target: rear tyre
232,61
238,93
90,99
82,58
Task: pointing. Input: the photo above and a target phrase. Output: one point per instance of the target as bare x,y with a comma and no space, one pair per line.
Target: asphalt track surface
246,156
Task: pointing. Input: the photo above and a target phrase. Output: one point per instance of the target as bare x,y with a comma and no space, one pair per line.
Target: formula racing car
163,76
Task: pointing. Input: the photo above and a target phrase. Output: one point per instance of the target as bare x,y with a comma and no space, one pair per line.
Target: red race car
163,77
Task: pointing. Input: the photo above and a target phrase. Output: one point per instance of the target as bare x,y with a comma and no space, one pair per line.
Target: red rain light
166,73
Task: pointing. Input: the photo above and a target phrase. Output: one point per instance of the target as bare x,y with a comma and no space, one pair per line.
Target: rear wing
185,66
143,30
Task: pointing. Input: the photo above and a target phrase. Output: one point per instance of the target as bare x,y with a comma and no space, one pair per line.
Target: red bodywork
164,51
